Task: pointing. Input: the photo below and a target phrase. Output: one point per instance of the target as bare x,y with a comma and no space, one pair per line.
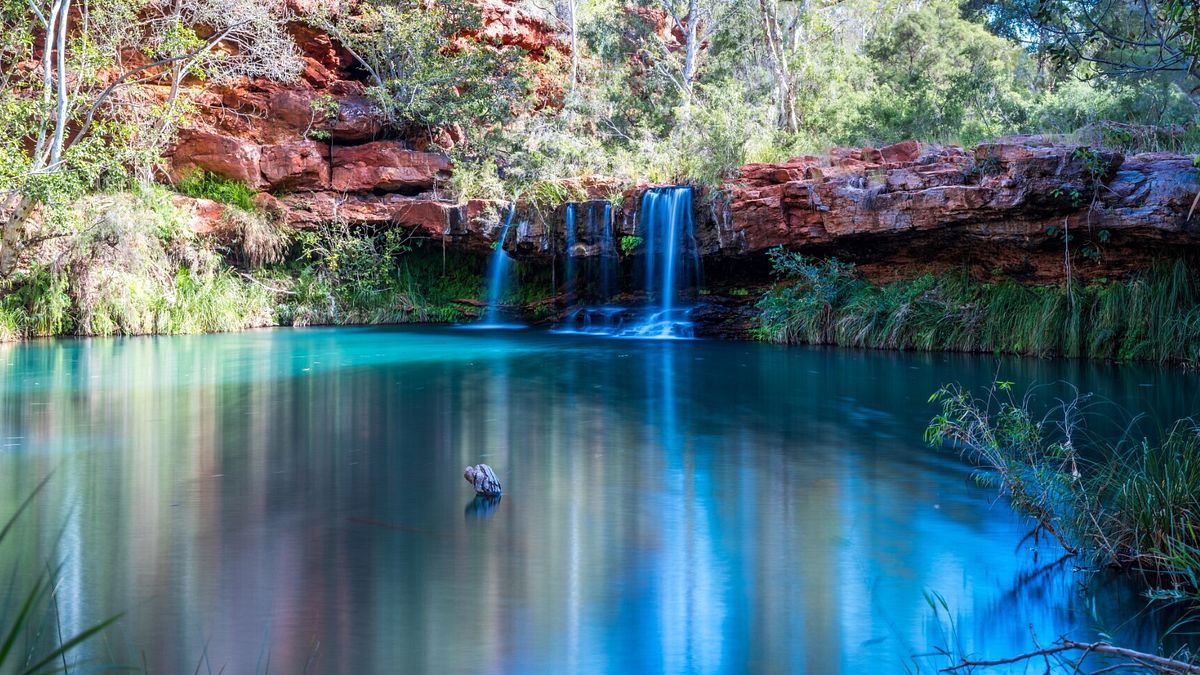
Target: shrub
204,185
1135,506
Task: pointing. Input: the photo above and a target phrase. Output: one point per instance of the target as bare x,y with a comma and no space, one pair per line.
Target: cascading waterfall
608,253
671,264
499,270
569,264
672,260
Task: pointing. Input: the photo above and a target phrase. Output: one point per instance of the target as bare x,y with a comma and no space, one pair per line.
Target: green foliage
549,194
36,304
345,277
422,74
477,178
324,109
137,270
941,76
204,185
630,243
1133,506
1151,316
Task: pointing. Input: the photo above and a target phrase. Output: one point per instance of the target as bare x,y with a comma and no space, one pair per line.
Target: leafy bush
346,277
136,269
36,303
424,75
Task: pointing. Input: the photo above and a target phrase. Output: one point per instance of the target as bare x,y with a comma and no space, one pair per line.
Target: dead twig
1138,660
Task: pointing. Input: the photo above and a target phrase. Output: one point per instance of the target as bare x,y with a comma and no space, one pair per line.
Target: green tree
1117,38
71,121
429,65
941,75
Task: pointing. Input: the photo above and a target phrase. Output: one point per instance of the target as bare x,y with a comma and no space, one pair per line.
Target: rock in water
484,479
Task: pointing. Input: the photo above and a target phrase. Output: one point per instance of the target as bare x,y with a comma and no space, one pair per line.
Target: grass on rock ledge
129,263
1150,316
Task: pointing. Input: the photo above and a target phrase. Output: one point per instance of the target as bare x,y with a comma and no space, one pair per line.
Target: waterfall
608,254
499,271
569,280
670,265
672,261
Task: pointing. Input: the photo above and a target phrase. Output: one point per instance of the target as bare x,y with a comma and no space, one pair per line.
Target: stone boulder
227,156
295,166
387,166
483,479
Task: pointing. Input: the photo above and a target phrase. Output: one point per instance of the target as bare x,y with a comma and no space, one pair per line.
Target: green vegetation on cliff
1153,315
133,266
735,82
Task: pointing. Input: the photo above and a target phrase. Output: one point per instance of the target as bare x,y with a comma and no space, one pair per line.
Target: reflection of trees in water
719,503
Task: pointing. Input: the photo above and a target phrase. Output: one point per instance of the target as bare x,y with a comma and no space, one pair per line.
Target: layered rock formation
1006,206
1018,207
318,150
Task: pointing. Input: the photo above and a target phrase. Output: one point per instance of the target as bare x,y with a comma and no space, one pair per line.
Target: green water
690,506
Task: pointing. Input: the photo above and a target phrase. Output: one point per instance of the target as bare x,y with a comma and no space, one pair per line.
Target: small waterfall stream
500,268
672,261
608,252
569,276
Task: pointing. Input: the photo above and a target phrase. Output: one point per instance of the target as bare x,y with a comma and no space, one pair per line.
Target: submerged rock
483,478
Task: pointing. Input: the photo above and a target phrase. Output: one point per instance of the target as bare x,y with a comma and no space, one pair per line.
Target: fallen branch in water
1136,659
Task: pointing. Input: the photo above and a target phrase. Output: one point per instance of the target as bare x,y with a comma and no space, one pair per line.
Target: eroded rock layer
1019,207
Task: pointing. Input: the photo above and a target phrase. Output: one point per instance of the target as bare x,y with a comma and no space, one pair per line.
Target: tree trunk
14,231
692,53
573,8
785,85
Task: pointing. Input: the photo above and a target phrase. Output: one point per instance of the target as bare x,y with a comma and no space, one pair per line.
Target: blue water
687,506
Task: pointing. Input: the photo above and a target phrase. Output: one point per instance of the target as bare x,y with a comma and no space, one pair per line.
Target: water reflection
481,507
669,506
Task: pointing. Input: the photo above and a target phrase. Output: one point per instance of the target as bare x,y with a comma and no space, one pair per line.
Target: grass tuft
1151,316
204,185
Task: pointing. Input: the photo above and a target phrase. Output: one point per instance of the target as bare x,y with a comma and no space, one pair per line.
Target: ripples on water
686,506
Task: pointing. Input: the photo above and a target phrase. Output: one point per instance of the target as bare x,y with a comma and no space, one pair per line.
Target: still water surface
297,496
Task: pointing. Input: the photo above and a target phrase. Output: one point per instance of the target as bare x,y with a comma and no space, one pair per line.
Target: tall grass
1151,316
30,638
137,269
1133,506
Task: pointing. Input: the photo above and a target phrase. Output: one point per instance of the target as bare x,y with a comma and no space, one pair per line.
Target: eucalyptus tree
76,111
789,30
427,63
678,53
1119,38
